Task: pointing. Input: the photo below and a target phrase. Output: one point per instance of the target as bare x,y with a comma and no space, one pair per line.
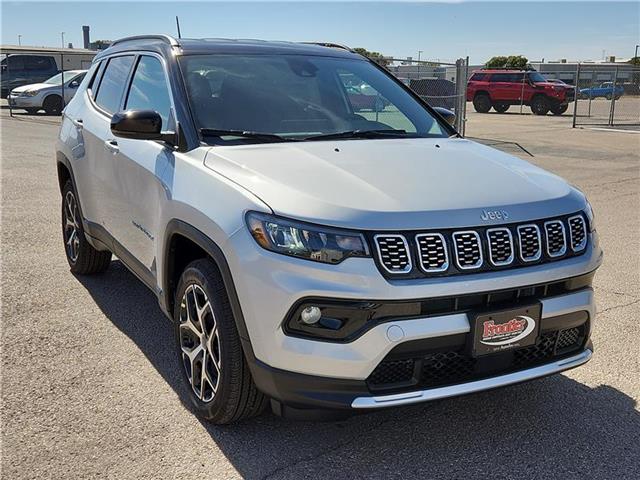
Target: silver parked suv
317,254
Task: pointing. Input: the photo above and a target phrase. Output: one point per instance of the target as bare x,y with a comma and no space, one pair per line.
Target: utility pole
62,36
636,55
20,41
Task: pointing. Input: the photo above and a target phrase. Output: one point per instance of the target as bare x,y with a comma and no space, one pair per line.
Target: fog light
310,315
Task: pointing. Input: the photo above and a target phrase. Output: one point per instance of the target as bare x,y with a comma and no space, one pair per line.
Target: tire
201,296
501,107
608,96
82,257
482,103
539,105
559,109
32,111
53,105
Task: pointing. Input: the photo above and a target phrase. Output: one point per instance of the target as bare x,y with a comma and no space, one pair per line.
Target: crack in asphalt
616,307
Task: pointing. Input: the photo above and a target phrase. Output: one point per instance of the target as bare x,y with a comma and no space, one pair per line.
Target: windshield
298,97
536,77
57,79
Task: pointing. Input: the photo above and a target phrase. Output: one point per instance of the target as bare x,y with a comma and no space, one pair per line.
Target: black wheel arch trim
190,232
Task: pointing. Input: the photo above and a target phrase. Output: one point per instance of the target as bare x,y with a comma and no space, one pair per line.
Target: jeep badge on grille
494,215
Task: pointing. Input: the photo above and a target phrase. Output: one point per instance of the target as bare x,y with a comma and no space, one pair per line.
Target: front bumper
311,373
24,102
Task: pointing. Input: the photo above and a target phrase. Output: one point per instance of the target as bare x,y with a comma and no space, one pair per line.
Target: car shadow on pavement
549,428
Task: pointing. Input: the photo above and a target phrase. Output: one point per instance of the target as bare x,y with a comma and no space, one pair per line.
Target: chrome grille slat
577,233
468,249
500,246
432,252
556,238
530,241
393,252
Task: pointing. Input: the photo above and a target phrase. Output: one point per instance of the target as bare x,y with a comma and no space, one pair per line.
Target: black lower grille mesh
457,366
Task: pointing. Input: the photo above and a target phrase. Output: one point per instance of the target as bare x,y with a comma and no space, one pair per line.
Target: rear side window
113,82
149,90
478,77
37,63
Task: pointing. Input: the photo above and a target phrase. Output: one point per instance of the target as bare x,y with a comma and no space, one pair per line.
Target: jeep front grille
500,246
393,252
556,238
432,252
530,243
468,249
449,252
578,233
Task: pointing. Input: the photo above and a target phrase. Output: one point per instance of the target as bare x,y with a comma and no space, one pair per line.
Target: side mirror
137,125
447,115
74,84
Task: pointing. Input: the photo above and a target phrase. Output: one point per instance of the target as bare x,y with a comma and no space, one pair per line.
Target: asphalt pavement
90,385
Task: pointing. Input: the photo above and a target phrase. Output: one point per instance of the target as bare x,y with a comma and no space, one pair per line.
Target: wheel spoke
200,343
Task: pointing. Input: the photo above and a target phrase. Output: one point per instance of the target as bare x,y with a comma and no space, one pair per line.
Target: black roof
192,46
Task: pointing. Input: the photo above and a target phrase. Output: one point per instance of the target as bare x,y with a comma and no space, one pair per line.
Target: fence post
8,74
576,94
62,68
613,97
463,122
461,94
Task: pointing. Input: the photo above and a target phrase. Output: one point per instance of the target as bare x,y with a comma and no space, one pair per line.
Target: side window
149,90
95,73
500,77
478,77
113,82
79,78
16,63
36,63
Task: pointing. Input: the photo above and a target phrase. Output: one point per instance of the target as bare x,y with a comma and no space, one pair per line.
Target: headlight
303,240
30,93
588,211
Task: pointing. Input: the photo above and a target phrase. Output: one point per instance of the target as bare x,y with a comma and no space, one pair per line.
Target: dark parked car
19,70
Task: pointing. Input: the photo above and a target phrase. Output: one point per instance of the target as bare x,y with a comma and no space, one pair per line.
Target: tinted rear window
113,82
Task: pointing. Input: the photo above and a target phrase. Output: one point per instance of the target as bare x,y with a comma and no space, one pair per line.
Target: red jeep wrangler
502,88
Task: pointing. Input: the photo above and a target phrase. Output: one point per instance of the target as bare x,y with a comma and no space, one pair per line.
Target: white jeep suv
323,254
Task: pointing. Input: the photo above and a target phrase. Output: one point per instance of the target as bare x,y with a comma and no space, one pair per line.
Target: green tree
375,56
517,62
635,61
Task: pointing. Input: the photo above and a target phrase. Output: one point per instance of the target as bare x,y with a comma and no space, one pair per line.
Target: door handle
77,122
112,146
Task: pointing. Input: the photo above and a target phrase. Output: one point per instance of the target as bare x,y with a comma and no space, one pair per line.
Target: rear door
103,99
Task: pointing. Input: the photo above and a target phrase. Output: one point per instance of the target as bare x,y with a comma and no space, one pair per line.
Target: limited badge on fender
506,330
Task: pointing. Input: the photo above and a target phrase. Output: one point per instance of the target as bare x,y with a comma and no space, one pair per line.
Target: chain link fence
607,96
440,84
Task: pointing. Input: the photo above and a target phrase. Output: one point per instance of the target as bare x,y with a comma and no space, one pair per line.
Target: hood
394,183
34,86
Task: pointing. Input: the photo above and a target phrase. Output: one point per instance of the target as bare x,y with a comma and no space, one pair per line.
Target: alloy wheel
71,227
200,343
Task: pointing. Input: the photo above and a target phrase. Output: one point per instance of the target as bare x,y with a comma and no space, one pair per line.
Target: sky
442,31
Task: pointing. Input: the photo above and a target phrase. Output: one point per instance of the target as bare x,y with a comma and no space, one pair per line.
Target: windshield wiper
262,137
359,134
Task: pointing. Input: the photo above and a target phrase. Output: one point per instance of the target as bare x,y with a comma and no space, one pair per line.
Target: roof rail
165,38
329,45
